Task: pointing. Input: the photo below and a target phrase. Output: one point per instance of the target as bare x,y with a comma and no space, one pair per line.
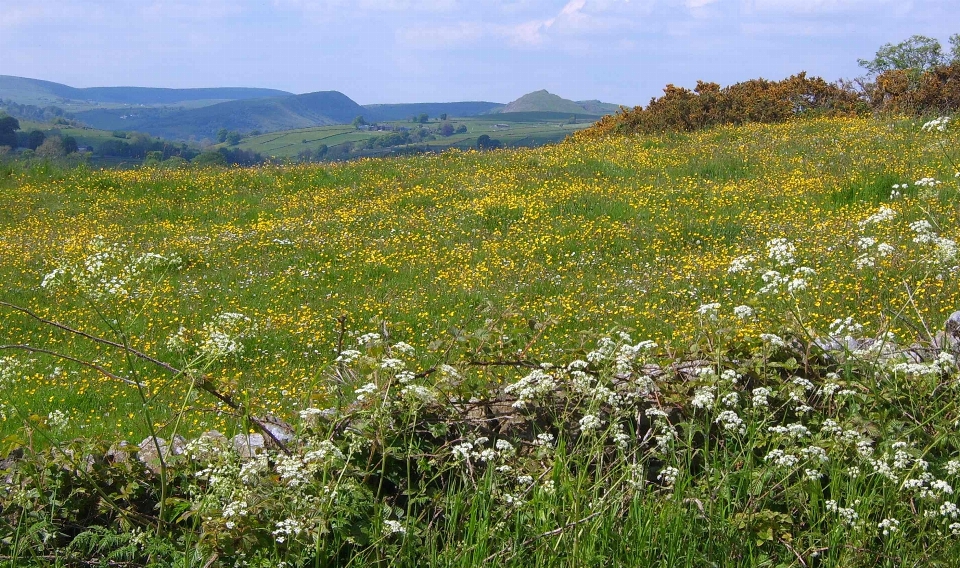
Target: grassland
626,233
529,279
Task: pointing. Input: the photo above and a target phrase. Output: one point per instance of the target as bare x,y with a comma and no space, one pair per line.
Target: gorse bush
913,92
800,412
757,100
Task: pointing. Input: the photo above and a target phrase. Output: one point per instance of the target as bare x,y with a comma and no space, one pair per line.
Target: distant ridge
267,115
544,101
433,110
23,90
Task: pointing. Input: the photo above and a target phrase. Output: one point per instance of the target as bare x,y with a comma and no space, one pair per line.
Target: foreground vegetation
620,350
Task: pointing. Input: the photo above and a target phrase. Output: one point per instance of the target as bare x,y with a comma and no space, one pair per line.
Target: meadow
569,283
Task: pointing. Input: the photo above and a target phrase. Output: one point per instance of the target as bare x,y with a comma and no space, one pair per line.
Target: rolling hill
544,101
266,115
37,92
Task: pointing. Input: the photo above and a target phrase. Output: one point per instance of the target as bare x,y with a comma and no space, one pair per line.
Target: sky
399,51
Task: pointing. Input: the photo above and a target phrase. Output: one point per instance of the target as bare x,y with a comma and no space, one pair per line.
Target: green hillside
37,92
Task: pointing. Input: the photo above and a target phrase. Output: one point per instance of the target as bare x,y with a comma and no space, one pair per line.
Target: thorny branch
201,382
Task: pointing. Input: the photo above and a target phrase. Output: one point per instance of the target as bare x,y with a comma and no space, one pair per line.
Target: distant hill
405,111
266,115
543,101
36,92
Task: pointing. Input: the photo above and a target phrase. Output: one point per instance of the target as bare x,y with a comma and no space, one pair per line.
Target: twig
127,348
518,363
94,366
550,533
919,315
795,553
201,382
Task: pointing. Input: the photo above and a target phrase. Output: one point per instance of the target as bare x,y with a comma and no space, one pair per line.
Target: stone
282,431
952,327
249,445
119,452
150,451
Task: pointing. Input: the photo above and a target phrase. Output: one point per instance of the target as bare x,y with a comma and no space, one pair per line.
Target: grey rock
179,445
282,431
838,344
150,452
249,445
952,327
119,452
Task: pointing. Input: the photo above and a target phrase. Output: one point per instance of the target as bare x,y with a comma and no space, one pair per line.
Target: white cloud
813,7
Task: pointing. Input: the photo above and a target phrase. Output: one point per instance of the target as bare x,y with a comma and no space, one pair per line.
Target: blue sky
389,51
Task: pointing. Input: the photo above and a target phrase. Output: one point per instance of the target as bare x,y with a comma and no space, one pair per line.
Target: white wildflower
393,527
888,526
590,422
741,264
743,312
668,475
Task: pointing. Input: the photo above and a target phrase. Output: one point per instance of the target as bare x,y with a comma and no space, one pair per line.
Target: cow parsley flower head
937,125
703,398
741,264
743,312
709,311
781,251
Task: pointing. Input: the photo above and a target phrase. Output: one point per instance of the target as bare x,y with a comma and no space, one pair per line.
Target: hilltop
545,101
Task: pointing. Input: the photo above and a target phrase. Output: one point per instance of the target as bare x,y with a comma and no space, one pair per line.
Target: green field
530,130
716,348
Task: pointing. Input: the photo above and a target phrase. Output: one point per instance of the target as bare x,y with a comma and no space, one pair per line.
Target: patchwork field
515,129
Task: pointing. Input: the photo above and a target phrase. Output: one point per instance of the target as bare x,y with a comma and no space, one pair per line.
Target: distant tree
51,147
222,135
153,158
423,118
446,129
358,122
443,117
174,163
916,54
462,129
210,158
484,142
70,144
234,138
8,131
119,134
955,48
35,139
